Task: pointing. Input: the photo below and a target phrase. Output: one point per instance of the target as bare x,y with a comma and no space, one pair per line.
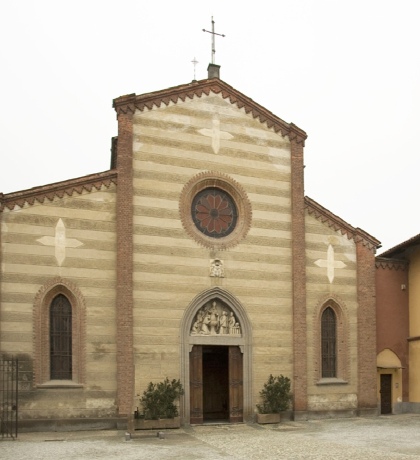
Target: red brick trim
2,270
41,329
59,189
215,179
125,300
129,103
323,215
366,326
391,264
300,378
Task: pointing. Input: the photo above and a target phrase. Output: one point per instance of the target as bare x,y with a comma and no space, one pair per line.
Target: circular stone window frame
213,179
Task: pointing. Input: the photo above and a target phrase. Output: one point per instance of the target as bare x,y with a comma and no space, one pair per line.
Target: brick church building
197,257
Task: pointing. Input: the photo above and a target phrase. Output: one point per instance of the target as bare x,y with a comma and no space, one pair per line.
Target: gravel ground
390,437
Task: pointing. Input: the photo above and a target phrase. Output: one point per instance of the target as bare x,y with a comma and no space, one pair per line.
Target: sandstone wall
172,144
331,276
70,240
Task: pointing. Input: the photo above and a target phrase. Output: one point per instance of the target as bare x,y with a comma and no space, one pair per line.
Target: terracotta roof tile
58,189
400,248
338,224
132,102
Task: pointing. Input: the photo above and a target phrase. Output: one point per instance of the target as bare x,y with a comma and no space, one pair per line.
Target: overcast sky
346,72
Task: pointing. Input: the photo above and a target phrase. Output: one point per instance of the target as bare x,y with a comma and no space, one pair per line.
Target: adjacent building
398,327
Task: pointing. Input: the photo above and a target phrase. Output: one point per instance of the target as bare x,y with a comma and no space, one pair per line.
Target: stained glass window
214,212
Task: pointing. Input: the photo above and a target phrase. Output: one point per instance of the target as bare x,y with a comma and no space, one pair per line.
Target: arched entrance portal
216,384
216,359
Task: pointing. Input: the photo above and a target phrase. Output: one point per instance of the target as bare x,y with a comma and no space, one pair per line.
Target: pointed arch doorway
216,359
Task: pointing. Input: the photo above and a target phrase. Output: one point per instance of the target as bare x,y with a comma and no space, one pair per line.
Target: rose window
214,212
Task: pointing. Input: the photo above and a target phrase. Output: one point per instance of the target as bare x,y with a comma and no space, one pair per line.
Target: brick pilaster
125,358
366,325
1,265
298,279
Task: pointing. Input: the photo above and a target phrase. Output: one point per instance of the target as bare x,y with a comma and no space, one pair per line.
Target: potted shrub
159,408
275,398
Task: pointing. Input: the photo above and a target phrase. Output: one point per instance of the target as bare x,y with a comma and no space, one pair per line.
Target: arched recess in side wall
244,341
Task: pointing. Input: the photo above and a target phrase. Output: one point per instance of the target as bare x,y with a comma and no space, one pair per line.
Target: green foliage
275,395
158,399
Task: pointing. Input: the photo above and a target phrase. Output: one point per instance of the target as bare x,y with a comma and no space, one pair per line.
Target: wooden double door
216,384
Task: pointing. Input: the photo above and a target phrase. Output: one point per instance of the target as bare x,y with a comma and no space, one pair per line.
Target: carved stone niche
216,268
215,318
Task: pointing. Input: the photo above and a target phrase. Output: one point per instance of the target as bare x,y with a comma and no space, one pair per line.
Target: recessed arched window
329,343
60,338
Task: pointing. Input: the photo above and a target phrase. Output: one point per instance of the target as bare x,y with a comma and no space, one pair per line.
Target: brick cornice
336,223
131,102
58,189
413,339
391,264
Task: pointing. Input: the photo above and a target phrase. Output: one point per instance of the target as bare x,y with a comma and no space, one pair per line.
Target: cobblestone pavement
384,437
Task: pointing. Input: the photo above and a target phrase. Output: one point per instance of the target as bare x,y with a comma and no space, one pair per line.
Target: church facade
196,257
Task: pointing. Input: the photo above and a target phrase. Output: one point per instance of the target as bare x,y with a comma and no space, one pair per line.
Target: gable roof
336,223
398,250
58,189
132,102
106,178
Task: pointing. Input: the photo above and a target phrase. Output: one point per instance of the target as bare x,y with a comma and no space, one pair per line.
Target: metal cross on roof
195,62
213,44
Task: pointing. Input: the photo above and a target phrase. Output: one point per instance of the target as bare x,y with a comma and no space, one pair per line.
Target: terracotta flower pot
268,418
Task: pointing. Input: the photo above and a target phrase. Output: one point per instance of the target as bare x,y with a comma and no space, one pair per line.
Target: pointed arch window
59,317
60,338
329,343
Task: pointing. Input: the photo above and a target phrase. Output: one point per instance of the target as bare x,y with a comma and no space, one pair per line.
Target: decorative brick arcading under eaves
131,102
58,189
391,264
323,215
